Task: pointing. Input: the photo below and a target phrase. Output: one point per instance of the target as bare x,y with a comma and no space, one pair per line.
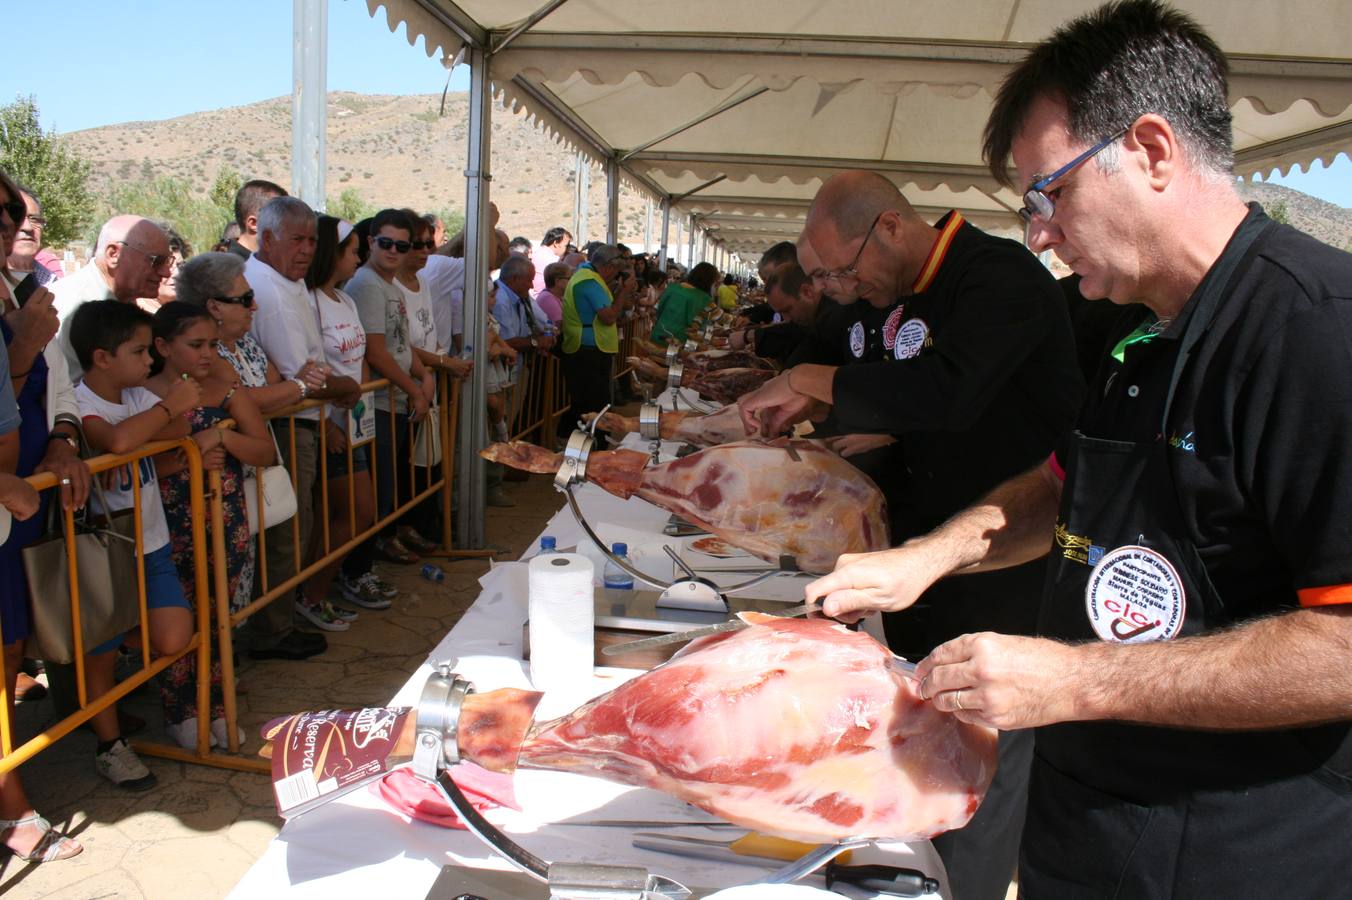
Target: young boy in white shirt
112,341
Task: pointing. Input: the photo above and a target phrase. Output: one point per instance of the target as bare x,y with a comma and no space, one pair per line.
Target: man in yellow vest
590,338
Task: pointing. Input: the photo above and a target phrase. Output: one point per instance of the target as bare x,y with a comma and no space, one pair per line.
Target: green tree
453,219
171,200
1278,212
351,205
223,191
43,163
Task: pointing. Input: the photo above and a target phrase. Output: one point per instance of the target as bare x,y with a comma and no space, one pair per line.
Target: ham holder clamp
691,592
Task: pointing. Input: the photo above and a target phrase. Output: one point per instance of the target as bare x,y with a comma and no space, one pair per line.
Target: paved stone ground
194,836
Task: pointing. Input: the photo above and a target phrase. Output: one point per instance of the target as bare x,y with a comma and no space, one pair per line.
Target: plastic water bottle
547,545
433,572
619,584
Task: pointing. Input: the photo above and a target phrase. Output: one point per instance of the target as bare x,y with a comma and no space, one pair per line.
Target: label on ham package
318,755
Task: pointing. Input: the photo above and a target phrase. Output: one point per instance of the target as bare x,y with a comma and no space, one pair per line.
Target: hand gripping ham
750,493
793,727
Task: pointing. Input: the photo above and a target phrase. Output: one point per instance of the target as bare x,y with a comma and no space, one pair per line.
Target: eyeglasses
422,245
37,221
157,260
245,299
1037,203
385,243
17,211
850,274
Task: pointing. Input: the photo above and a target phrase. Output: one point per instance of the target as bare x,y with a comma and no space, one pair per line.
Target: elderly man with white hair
130,259
284,326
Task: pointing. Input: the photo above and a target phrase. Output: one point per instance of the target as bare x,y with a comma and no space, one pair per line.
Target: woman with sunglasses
215,281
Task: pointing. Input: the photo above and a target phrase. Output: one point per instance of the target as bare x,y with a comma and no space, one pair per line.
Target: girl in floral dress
185,337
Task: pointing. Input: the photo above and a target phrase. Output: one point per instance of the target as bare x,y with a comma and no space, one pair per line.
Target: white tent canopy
769,97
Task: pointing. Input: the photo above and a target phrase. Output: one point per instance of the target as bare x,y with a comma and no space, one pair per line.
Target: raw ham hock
721,385
799,728
699,429
753,494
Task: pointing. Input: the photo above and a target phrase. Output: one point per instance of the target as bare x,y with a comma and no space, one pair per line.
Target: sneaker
366,591
391,550
120,765
499,497
219,736
381,586
347,615
323,616
185,734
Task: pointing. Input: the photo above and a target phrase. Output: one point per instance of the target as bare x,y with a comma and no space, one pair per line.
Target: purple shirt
550,305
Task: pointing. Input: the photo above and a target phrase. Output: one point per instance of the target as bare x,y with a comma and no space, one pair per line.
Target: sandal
392,550
53,845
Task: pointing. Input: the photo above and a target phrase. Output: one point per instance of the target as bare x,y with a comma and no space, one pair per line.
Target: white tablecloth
356,846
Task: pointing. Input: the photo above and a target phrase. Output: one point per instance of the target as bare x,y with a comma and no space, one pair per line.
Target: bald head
133,254
850,202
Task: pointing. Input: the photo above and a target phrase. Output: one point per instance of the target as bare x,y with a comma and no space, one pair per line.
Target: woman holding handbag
185,338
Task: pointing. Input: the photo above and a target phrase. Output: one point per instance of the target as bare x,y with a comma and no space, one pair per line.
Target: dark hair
624,250
396,218
556,270
418,225
1112,66
177,243
327,250
519,241
729,278
778,255
788,278
553,235
363,232
253,196
655,277
432,219
171,320
703,276
104,325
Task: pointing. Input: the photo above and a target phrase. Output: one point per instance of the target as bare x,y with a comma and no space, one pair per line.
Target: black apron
1121,810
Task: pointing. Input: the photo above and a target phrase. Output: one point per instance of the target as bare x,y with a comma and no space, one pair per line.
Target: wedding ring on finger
922,687
65,482
957,699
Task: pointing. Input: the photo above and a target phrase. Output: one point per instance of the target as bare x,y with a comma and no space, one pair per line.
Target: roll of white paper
562,619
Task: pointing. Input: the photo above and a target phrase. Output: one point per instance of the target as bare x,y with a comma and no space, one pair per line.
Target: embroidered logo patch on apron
910,338
1135,595
857,339
890,327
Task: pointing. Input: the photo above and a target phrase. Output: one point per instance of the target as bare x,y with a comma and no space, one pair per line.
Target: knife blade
761,846
676,637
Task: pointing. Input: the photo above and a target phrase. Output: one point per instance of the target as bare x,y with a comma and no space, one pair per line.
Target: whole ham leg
799,728
752,494
727,385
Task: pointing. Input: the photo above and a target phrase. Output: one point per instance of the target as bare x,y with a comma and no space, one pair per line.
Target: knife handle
756,844
882,879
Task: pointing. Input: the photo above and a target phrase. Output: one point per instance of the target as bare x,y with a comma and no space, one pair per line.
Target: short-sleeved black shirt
1260,431
994,383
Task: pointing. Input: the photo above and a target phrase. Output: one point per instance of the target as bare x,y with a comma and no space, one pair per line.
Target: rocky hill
398,150
395,151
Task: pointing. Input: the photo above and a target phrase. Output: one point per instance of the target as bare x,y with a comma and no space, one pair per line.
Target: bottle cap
619,548
547,542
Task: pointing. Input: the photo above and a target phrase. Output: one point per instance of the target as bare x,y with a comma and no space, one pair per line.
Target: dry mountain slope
396,150
393,150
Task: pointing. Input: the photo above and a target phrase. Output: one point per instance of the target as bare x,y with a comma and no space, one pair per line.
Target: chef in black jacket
977,381
1192,693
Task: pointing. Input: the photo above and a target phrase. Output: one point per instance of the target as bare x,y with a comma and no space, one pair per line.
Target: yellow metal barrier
199,643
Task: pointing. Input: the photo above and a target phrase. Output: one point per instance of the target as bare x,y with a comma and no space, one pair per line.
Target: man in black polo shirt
961,349
1192,694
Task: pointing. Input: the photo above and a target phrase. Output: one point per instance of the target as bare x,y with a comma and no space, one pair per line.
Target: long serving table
356,846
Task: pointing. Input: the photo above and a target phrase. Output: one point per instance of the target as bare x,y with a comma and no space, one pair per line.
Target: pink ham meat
793,727
724,384
722,427
750,493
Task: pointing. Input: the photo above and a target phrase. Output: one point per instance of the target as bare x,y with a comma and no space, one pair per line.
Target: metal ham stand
436,749
691,592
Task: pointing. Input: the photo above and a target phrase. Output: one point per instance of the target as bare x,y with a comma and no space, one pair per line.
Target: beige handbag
427,439
279,495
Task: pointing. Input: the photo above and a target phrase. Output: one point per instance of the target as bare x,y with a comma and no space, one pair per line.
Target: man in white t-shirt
131,257
284,325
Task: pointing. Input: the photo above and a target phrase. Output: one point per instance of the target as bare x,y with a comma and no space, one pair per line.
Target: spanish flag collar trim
937,253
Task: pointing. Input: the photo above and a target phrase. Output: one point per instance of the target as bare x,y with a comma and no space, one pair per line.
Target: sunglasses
245,299
157,260
424,245
385,243
17,211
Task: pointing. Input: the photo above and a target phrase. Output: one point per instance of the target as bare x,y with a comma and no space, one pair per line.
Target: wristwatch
63,436
533,341
304,389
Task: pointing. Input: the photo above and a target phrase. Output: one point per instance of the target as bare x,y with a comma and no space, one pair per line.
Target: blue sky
204,55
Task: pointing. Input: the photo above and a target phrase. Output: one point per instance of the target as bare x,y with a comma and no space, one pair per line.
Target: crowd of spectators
148,341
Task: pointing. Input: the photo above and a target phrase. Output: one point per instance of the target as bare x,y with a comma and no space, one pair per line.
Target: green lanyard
1144,333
